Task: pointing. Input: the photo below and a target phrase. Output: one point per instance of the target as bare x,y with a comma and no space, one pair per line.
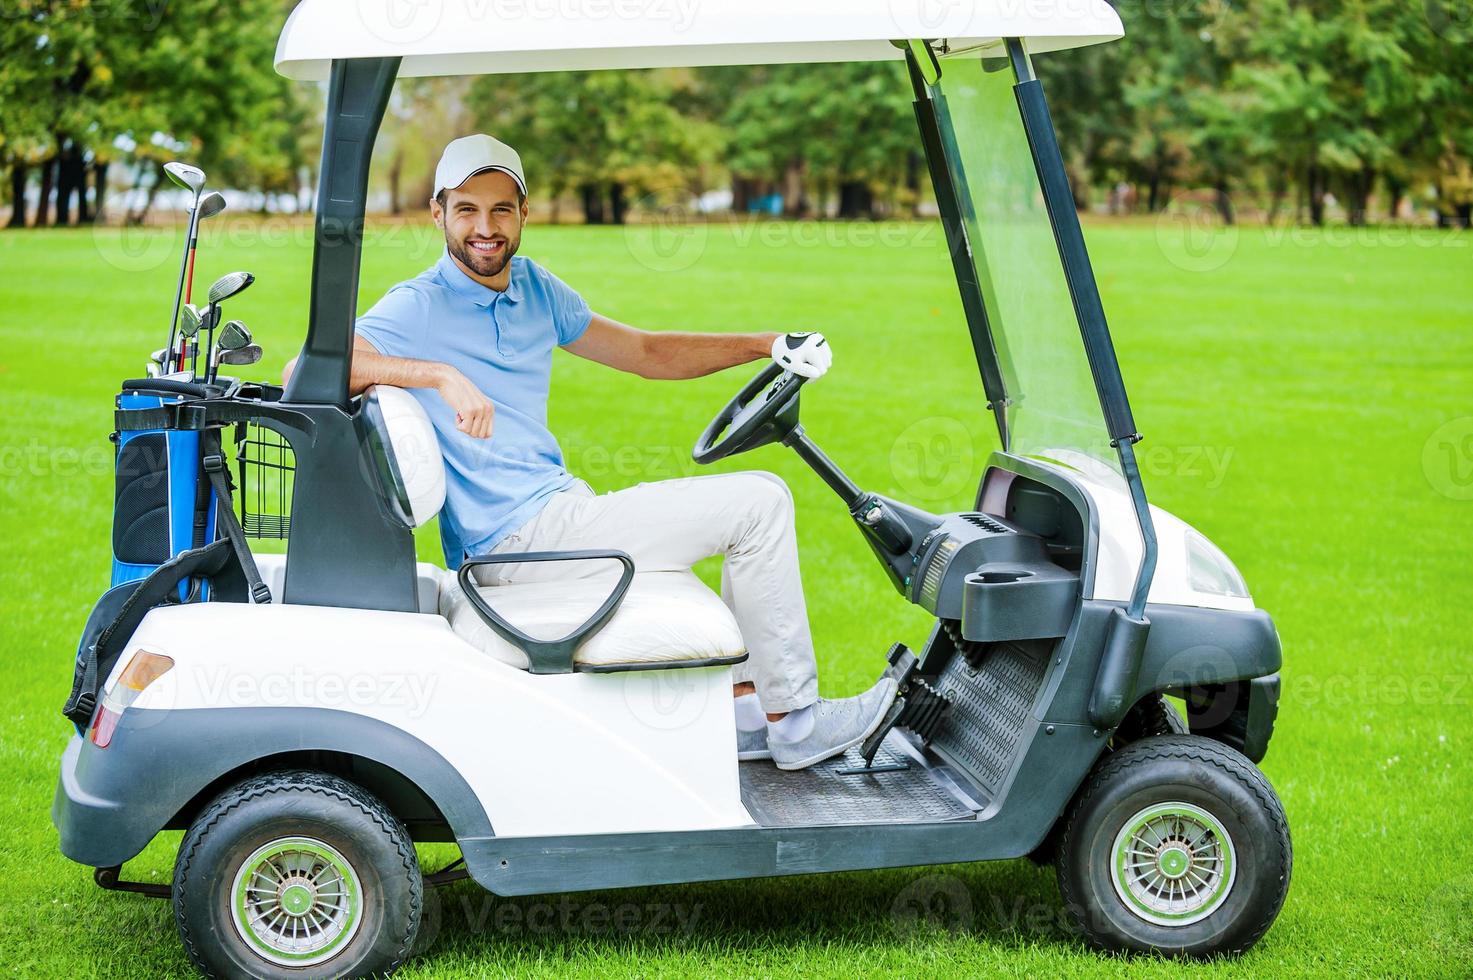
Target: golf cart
307,718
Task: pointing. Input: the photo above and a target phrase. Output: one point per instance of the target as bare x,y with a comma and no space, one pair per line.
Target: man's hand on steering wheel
807,354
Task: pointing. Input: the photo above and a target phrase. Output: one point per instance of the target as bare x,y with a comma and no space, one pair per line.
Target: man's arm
668,356
474,412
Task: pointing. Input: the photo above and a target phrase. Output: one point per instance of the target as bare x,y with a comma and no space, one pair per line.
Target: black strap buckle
261,593
86,704
214,462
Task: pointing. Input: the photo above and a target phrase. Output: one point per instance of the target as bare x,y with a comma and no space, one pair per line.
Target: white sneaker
837,725
752,746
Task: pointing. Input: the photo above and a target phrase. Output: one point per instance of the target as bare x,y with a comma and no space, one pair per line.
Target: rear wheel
297,874
1177,844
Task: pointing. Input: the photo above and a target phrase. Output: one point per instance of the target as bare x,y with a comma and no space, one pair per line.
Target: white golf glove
807,354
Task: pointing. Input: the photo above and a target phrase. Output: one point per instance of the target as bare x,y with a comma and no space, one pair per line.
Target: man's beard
482,265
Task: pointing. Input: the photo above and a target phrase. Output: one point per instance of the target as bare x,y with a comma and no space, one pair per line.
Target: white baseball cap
469,155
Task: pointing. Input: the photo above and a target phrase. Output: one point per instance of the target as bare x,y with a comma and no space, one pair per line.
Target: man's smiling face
482,220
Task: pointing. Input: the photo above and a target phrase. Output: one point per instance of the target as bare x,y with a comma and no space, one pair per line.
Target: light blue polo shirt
502,342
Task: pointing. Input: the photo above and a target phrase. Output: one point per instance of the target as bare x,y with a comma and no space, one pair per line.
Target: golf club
209,205
193,179
190,320
225,287
249,354
233,337
241,356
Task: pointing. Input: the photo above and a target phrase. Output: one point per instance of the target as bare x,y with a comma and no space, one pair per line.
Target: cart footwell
820,795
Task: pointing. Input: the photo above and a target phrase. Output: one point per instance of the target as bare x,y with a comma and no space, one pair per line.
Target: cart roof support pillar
357,95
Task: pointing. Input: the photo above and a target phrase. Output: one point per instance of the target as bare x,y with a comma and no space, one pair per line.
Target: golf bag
162,506
172,501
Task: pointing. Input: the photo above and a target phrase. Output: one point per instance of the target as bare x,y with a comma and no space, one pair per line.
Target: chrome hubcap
1173,864
296,901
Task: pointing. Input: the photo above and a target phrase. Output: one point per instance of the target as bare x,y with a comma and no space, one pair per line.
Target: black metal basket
265,468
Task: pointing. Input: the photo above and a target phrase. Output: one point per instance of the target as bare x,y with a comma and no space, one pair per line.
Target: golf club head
234,335
190,319
185,175
228,285
210,205
249,354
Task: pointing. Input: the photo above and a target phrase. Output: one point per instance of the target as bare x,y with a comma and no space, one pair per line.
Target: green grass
1291,395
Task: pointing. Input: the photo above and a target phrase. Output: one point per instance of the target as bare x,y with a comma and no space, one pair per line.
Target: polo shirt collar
477,293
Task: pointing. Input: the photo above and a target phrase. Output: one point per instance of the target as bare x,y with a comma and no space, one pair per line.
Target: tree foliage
1296,103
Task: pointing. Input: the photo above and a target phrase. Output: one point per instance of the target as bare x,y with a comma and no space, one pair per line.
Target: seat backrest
405,453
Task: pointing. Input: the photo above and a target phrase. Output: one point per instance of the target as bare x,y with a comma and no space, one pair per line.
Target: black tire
363,848
1151,715
1207,782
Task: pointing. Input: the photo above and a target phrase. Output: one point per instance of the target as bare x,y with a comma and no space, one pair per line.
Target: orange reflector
142,670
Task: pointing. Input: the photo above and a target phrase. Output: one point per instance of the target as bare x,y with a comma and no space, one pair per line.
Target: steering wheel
764,411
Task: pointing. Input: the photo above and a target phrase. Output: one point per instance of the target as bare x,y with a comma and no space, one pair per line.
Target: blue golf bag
164,503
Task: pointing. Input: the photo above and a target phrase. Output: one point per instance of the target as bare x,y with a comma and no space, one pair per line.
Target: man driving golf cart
472,337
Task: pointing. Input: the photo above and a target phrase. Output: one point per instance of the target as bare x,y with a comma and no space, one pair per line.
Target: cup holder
1000,577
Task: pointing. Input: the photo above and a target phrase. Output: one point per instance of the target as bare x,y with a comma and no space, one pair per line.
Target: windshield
1053,405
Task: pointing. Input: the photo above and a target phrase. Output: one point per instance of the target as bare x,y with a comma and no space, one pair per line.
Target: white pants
672,524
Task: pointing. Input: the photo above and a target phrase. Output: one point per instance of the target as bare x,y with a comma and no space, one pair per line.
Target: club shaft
185,261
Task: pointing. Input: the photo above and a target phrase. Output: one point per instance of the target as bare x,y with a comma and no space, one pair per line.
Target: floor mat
819,795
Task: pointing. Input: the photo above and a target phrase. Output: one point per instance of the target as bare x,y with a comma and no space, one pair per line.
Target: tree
816,131
609,136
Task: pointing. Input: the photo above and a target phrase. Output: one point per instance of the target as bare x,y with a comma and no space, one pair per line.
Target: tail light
142,670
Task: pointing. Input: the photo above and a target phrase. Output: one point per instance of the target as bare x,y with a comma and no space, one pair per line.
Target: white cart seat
667,619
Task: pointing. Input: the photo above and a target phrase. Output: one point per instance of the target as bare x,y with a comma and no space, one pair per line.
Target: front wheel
297,874
1177,844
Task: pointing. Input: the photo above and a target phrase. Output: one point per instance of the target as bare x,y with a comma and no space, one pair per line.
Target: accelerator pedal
901,664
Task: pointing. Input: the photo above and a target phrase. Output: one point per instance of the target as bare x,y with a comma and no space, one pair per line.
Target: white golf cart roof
470,37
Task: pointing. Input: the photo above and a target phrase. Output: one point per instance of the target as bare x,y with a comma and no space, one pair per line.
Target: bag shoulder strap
214,464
